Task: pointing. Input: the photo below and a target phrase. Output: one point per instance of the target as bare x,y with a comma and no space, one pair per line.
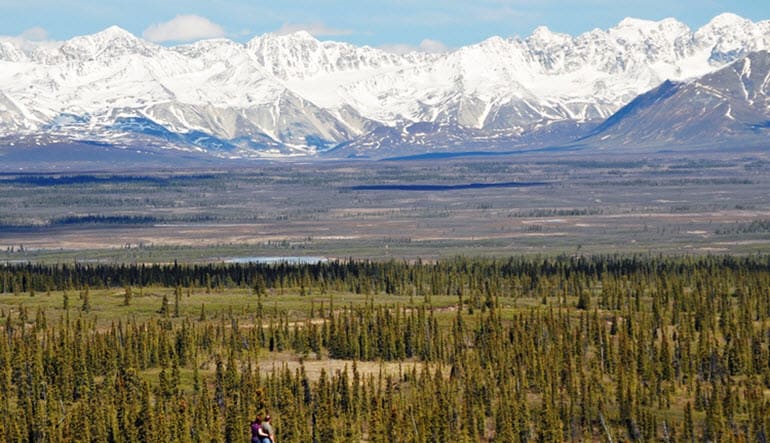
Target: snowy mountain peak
300,35
109,36
542,36
632,29
111,42
115,32
638,23
727,20
495,42
727,27
300,56
289,39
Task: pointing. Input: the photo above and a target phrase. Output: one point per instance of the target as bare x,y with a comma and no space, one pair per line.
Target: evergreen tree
127,296
86,299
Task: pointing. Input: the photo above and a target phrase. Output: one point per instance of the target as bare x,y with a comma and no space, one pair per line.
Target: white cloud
432,46
317,29
35,34
428,45
30,39
183,28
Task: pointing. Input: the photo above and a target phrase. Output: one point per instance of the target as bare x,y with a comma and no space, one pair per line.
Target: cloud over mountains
183,28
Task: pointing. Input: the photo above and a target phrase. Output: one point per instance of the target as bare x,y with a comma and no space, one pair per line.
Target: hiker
258,435
268,428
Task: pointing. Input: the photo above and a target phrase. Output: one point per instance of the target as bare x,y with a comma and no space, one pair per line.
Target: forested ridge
635,348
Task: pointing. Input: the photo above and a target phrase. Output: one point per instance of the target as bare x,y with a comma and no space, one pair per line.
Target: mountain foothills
731,104
292,95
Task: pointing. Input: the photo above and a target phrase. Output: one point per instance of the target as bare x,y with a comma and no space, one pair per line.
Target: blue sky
450,23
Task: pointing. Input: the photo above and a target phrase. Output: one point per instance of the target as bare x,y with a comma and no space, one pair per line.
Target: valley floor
382,210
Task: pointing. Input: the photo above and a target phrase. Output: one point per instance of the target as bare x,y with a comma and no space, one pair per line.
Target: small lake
291,259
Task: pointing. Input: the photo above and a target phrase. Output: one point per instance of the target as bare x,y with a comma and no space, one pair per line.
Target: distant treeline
675,182
104,219
392,277
557,212
755,226
117,219
443,187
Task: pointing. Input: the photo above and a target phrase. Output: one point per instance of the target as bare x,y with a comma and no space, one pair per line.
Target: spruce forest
604,348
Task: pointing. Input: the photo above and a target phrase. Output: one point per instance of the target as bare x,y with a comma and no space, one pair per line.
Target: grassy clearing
108,305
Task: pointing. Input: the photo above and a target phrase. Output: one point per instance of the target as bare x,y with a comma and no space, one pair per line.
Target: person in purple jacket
257,433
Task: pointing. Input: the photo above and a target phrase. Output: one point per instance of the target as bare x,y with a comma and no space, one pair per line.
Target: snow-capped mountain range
285,95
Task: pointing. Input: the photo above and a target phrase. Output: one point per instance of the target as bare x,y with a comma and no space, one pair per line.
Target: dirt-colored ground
314,367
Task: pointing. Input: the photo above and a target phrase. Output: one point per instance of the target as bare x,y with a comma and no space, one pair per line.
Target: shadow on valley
62,179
